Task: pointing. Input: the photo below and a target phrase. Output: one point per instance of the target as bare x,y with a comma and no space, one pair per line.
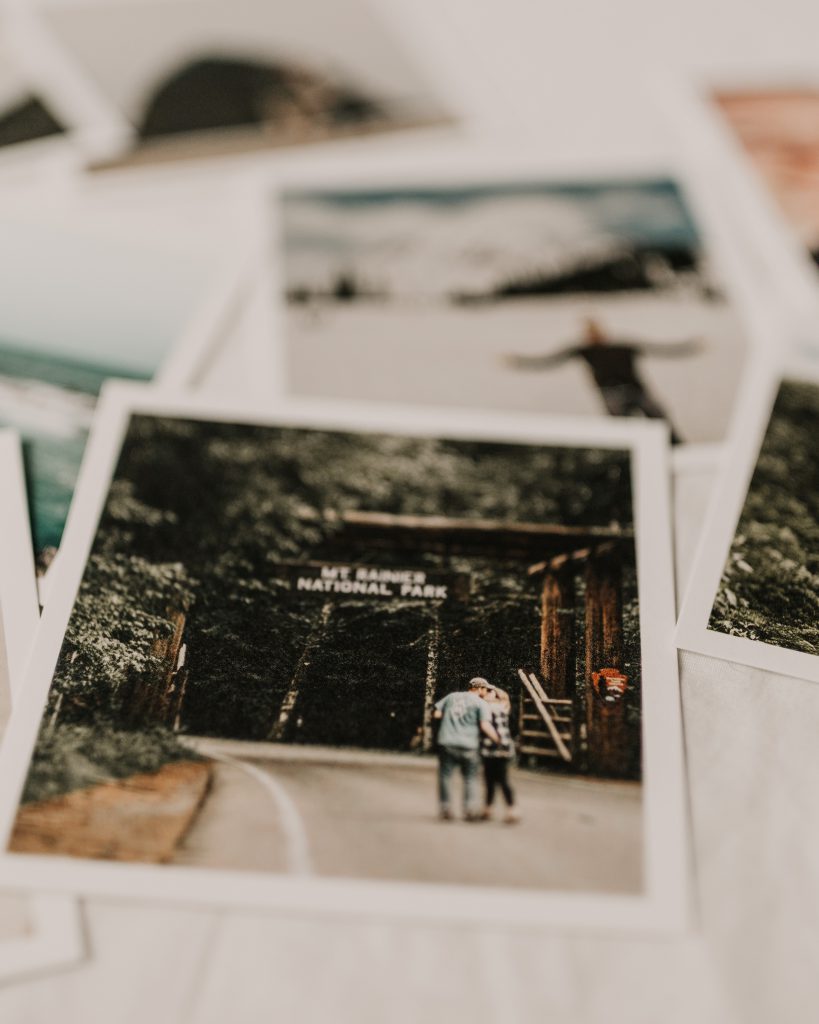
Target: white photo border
725,509
54,938
664,903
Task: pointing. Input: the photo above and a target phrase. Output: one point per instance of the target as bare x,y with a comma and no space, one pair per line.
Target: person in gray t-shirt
463,717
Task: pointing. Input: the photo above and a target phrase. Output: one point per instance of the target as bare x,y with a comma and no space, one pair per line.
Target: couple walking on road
473,730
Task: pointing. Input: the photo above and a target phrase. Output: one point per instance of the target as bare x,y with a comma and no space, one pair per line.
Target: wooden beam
557,645
445,524
607,732
565,558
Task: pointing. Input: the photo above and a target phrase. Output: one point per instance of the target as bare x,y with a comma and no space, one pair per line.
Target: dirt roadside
142,818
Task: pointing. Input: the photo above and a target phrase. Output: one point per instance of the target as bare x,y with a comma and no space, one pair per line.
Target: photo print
26,115
74,314
761,605
36,932
210,77
778,128
755,135
278,649
593,294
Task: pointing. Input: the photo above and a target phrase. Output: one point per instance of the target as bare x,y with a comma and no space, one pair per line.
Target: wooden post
153,697
280,727
55,714
557,634
431,681
607,733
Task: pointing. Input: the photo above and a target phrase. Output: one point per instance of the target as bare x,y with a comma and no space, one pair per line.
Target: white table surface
751,738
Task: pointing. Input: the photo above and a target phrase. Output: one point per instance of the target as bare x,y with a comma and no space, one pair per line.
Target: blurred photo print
778,128
191,78
754,597
595,294
334,645
26,115
15,921
74,314
19,613
36,932
755,135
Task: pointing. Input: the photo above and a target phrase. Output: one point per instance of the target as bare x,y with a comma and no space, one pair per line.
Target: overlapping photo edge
726,505
54,938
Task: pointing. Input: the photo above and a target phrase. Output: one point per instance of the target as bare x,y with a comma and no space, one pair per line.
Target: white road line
299,860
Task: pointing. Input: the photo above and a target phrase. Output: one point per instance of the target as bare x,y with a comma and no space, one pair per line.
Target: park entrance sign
376,582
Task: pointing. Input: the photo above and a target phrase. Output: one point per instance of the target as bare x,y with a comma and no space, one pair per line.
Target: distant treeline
632,268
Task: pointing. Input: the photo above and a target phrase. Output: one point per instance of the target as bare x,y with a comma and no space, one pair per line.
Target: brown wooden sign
335,579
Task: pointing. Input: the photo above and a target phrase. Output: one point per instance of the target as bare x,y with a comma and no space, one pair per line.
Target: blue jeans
450,760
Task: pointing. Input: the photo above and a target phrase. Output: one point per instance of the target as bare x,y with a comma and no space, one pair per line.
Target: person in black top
497,755
614,367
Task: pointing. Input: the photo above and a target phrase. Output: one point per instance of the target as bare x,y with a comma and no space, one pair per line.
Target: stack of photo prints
336,564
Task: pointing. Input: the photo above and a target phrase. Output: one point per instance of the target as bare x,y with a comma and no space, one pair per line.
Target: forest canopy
769,589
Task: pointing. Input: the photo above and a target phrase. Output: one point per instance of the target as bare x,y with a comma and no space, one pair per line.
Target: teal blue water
49,400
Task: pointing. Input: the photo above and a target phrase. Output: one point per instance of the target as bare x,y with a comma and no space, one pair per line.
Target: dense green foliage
770,585
196,526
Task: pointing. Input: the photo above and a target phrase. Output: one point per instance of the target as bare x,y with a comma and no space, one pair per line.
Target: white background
583,70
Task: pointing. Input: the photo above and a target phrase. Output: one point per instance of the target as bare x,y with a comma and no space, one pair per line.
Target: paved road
378,821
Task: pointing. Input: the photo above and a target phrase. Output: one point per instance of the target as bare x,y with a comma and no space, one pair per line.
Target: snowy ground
450,355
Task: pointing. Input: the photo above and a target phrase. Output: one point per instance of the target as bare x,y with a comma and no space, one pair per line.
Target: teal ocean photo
50,401
81,305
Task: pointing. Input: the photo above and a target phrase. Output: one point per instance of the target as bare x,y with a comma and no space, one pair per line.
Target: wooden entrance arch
570,566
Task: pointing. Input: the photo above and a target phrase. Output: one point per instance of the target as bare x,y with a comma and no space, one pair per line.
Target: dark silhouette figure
214,92
27,120
614,367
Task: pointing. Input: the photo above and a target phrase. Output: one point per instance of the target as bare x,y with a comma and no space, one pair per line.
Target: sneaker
475,816
445,815
486,814
512,818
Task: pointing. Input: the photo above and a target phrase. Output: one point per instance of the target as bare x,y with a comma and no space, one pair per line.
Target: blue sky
441,241
91,298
